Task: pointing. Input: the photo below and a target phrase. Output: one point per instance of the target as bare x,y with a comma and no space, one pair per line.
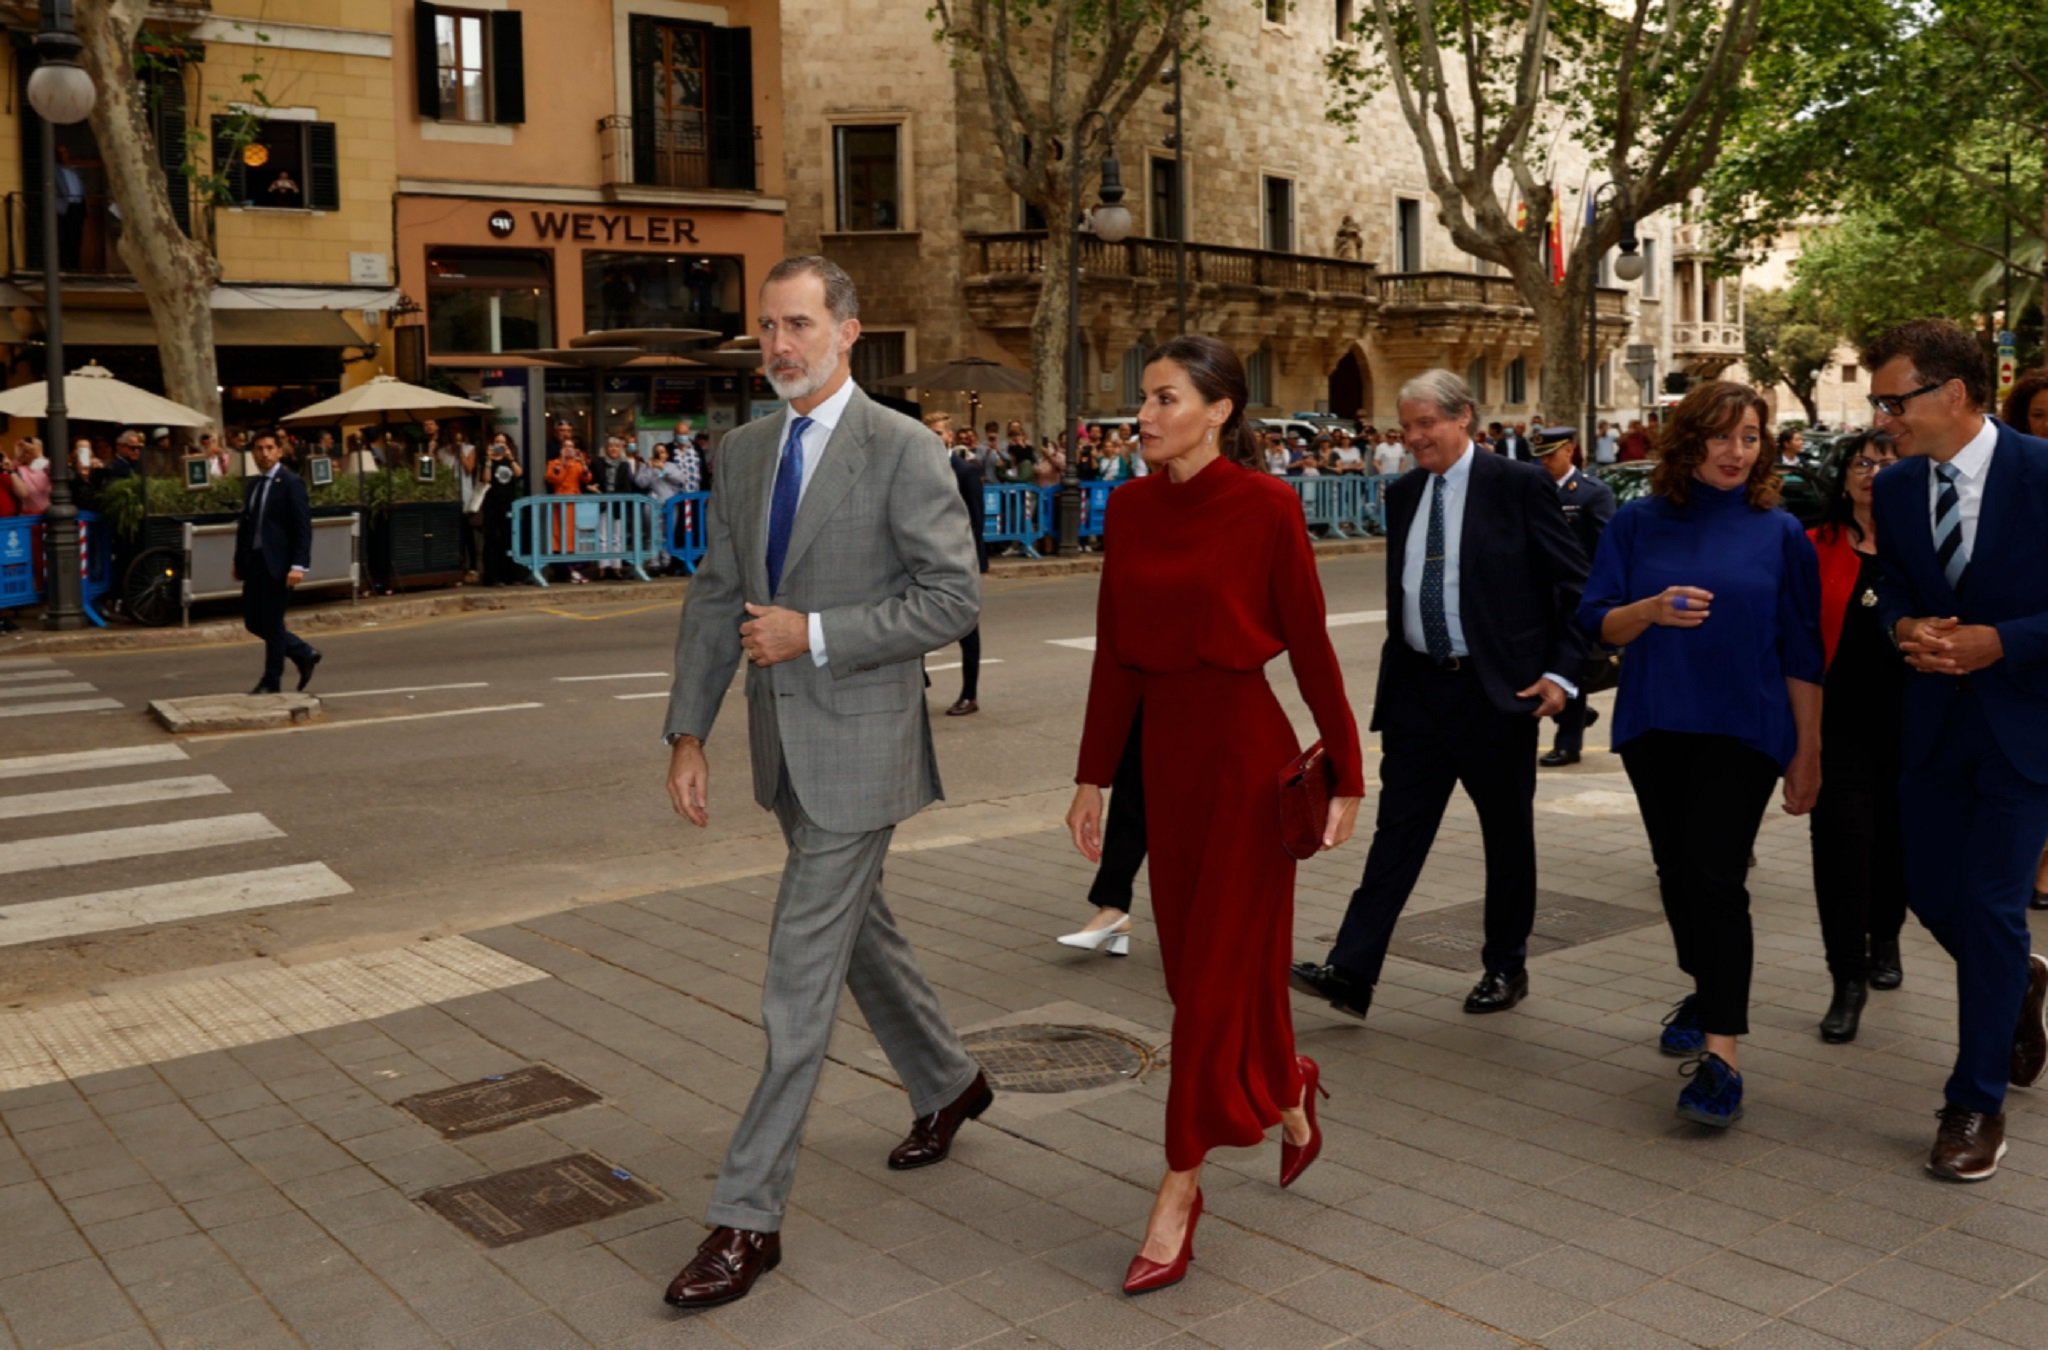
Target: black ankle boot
1845,1013
1885,971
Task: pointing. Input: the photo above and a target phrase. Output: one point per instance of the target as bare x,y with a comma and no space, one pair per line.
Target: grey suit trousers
831,928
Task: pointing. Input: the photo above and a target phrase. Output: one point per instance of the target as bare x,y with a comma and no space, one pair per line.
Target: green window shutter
228,164
730,82
641,46
426,63
323,167
168,98
508,69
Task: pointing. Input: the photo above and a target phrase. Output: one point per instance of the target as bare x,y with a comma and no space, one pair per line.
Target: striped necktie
1948,527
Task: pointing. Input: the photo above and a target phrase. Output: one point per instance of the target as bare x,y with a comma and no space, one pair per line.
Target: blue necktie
1436,629
1948,527
789,487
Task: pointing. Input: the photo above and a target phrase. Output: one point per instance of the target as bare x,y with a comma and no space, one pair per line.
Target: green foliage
1786,341
121,502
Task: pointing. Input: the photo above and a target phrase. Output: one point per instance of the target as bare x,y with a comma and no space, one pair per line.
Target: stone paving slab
1513,1180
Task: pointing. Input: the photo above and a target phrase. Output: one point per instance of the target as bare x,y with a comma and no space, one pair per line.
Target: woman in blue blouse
1716,594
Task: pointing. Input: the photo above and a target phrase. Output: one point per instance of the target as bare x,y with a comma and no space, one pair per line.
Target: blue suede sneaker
1714,1096
1682,1034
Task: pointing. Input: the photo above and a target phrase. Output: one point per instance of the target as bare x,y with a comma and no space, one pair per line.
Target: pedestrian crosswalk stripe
108,795
167,902
45,690
61,706
17,676
135,841
76,761
25,663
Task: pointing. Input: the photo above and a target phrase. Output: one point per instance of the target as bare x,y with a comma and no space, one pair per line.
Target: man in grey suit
839,554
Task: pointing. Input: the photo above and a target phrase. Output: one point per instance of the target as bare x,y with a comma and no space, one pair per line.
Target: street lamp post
1109,221
1628,267
1178,140
61,92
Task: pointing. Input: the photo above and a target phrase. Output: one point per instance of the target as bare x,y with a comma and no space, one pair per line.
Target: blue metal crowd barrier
606,528
22,565
682,528
1017,513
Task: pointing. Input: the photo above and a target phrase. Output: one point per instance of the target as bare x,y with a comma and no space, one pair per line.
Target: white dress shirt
1457,482
1973,469
824,420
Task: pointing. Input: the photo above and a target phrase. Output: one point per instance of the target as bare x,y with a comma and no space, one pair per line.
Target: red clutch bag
1305,787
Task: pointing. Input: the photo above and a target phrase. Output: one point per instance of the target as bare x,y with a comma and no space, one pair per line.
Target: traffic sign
2008,364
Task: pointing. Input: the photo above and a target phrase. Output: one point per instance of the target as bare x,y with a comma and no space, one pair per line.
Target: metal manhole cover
1039,1058
498,1101
508,1207
1453,938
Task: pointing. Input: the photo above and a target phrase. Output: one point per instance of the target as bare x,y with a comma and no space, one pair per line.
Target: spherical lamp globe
1629,266
61,93
1112,223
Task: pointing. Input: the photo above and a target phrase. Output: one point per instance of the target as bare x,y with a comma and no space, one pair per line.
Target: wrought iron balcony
1021,254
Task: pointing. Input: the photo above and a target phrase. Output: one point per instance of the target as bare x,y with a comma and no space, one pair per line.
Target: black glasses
1894,405
1869,466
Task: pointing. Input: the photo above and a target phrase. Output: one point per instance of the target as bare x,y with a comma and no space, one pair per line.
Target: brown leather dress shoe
1968,1145
2030,1037
725,1267
931,1137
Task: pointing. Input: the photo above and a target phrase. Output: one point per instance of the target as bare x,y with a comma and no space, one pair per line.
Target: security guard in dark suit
273,549
1588,506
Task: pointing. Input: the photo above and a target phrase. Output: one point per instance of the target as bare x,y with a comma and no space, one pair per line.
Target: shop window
289,166
867,167
657,290
471,64
879,354
693,104
488,301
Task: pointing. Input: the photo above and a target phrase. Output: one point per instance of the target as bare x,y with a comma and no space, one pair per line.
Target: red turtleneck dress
1205,582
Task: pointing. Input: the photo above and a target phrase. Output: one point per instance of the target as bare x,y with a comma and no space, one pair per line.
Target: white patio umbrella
381,398
92,394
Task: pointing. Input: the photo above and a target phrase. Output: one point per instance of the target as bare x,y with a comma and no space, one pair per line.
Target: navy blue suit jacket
2004,586
1520,571
287,527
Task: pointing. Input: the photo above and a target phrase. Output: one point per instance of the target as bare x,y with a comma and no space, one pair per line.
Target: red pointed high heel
1295,1158
1145,1276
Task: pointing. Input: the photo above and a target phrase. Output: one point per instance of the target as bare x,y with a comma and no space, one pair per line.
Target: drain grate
1453,937
1040,1058
527,1202
498,1101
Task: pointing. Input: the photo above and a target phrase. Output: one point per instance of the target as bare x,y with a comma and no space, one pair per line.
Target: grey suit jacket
883,553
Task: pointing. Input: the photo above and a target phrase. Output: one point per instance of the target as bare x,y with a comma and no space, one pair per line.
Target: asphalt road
472,769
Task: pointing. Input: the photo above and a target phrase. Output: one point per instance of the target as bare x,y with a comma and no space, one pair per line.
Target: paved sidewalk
217,1162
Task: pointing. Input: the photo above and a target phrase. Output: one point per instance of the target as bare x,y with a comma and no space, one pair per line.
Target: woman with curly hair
1715,592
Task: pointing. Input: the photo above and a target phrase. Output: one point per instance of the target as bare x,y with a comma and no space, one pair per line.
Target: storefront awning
231,328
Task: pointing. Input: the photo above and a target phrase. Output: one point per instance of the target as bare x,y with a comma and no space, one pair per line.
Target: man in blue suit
1959,530
273,549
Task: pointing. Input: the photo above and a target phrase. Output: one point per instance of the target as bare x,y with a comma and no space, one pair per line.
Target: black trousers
1123,834
970,664
1859,863
1703,800
499,569
1571,727
264,598
1440,732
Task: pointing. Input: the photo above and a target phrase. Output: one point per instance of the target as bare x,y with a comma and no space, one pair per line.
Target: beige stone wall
846,57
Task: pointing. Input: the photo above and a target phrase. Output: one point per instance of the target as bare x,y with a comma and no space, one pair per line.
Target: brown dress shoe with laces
725,1267
931,1137
2030,1037
1969,1144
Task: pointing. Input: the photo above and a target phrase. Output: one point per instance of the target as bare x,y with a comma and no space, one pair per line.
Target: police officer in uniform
1588,506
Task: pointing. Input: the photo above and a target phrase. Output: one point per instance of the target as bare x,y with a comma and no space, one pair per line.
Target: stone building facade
949,265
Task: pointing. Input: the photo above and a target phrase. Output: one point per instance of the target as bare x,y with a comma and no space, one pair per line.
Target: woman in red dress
1211,576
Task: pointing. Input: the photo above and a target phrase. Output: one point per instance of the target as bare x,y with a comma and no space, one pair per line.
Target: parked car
1805,488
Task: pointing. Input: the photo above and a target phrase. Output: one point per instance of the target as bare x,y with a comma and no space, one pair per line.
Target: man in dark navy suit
1960,587
1483,576
1588,505
273,549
